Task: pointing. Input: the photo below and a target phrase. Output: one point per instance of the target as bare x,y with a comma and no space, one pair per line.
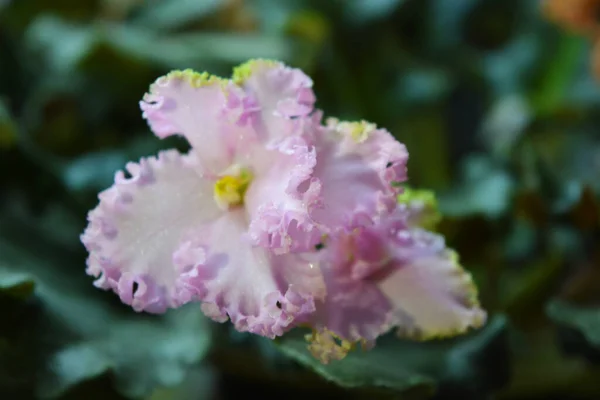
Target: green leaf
66,45
8,131
14,283
87,337
486,188
199,384
559,75
365,11
580,328
169,14
469,364
196,49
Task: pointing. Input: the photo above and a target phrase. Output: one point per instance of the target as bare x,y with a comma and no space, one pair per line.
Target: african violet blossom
239,223
224,224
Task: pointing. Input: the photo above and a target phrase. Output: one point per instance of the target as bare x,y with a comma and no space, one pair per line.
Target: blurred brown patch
470,236
579,16
583,287
586,214
236,16
532,207
595,59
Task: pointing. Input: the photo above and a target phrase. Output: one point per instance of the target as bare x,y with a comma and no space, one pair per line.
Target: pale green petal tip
196,79
358,130
471,301
242,72
430,215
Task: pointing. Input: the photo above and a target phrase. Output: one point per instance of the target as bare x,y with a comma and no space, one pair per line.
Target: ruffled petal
376,146
208,111
259,292
356,172
387,275
283,197
353,310
280,91
138,224
432,297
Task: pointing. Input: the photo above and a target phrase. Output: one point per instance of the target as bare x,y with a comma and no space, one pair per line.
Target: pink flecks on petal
138,224
245,283
201,108
283,196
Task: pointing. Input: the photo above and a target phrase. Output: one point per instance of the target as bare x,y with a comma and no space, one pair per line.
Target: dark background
499,110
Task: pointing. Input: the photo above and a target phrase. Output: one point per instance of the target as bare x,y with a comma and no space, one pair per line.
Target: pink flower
232,224
390,274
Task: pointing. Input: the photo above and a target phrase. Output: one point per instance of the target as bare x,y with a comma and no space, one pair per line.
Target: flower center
229,191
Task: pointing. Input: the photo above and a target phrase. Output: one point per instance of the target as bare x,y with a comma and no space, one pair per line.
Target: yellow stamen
229,191
326,346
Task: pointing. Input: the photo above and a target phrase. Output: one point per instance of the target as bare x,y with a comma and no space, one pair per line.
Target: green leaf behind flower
80,335
467,366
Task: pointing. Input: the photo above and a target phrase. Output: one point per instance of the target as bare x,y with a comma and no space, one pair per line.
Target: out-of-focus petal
432,297
282,198
138,224
387,275
244,283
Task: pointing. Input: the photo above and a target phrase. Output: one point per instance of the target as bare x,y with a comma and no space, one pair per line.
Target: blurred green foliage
500,115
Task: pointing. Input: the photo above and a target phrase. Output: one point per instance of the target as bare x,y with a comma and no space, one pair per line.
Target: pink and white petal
283,196
199,107
353,310
376,146
382,275
279,91
237,280
140,221
351,184
431,296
